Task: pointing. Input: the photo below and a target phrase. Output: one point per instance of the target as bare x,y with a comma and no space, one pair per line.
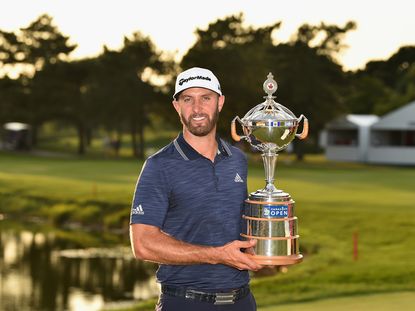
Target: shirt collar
188,153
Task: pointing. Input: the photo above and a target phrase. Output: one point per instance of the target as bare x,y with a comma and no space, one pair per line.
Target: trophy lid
270,112
269,127
274,113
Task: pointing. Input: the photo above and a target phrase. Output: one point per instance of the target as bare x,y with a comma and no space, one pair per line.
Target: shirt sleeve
150,202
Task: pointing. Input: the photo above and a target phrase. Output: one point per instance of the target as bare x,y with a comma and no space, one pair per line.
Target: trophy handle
304,133
234,134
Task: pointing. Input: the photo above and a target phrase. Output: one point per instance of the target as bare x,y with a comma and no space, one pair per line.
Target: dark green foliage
115,91
310,80
384,85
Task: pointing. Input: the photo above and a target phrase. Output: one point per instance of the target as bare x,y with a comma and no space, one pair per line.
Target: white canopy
16,126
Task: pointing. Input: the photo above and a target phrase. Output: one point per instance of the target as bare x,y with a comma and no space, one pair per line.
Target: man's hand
230,254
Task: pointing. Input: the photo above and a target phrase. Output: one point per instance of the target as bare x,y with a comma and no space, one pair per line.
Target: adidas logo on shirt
138,210
238,178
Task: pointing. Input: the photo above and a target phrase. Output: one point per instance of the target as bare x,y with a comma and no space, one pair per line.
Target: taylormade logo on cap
197,77
193,78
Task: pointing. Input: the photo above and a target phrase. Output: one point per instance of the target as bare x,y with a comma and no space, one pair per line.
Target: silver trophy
269,212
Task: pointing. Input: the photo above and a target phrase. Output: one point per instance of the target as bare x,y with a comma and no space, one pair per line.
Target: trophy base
270,220
278,260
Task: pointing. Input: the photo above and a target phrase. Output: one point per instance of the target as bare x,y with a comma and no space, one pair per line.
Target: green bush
59,213
117,219
89,214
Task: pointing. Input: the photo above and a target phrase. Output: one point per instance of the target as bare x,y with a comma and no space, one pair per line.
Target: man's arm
151,244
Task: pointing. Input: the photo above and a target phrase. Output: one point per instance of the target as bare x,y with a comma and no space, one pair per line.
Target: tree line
116,90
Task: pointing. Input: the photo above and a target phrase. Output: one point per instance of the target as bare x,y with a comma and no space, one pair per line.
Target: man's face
199,109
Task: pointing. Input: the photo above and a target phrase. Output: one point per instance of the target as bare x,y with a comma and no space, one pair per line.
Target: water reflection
44,271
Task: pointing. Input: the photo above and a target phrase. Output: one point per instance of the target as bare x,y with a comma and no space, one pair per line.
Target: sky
382,26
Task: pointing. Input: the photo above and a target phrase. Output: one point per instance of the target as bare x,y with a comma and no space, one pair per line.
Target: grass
334,201
87,191
378,302
70,178
64,140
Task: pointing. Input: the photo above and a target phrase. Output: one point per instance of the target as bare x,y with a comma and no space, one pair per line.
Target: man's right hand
230,254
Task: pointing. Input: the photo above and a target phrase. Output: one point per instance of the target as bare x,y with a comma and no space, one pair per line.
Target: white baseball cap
197,77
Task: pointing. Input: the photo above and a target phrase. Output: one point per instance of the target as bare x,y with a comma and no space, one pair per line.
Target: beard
201,129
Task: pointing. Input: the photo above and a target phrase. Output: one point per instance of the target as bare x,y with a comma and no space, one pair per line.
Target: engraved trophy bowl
269,212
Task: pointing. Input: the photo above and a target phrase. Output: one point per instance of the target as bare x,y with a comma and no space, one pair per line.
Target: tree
384,85
35,46
311,81
62,91
392,70
309,84
42,43
326,39
12,100
403,93
128,98
236,54
108,90
10,48
367,93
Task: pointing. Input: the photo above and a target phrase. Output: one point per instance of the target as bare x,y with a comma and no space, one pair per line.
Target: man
187,207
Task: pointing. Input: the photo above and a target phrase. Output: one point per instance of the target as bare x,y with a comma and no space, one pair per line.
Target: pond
43,268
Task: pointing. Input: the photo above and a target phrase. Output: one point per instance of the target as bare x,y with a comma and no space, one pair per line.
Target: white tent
16,126
347,138
393,137
15,136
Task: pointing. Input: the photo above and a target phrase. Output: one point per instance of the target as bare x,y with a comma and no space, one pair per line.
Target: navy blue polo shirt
197,201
